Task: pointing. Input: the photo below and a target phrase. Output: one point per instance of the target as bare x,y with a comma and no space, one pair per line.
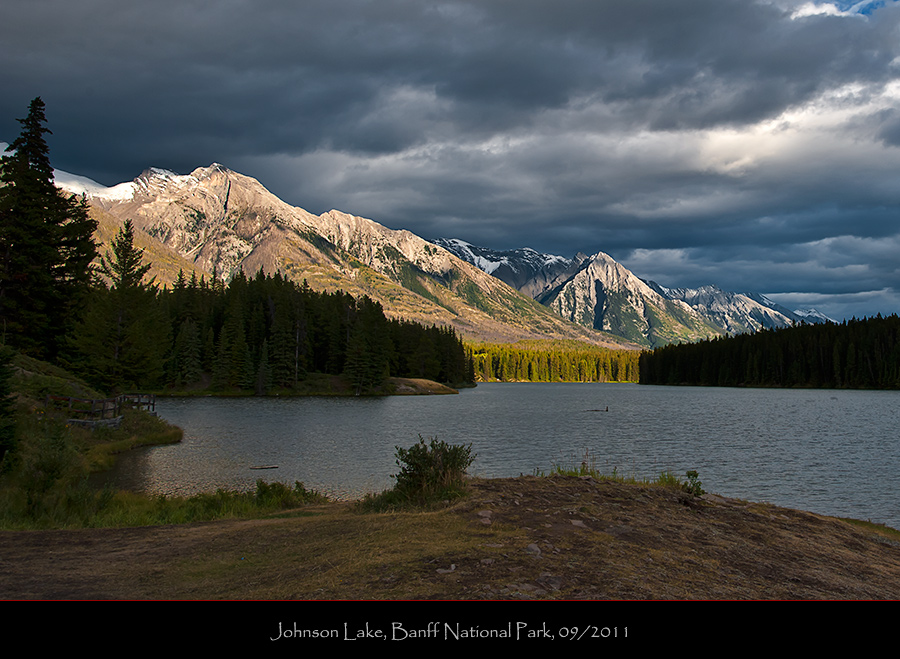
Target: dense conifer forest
254,335
855,354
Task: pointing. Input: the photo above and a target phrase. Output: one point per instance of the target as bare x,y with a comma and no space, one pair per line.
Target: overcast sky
751,145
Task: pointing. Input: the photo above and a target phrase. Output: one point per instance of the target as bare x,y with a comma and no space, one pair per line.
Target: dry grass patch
336,553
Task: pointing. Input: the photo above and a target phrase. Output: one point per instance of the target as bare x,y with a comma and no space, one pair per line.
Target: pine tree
264,372
46,245
123,267
122,340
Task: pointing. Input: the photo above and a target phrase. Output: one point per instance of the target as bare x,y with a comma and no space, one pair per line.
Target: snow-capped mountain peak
81,185
813,316
152,181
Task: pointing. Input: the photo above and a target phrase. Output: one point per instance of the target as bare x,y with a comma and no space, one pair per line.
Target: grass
269,499
610,543
34,380
72,503
100,446
890,533
339,554
587,467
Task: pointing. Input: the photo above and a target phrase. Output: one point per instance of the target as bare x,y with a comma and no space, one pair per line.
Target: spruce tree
124,267
122,340
46,245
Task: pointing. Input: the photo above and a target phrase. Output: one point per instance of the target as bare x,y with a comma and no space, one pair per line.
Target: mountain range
215,222
599,292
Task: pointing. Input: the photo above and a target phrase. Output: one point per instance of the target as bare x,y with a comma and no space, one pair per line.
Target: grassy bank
44,481
44,478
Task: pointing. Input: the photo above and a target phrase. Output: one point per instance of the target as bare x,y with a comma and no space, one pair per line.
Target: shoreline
330,385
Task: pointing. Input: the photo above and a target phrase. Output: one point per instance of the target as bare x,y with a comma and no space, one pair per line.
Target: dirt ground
563,538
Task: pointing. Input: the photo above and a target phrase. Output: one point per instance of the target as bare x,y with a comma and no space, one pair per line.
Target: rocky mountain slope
525,269
605,295
734,312
215,221
601,293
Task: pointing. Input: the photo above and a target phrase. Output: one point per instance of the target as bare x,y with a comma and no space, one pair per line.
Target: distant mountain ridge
215,221
601,293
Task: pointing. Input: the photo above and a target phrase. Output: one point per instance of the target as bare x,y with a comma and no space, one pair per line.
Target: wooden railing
97,411
146,402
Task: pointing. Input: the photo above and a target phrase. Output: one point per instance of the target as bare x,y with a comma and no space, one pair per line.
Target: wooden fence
95,412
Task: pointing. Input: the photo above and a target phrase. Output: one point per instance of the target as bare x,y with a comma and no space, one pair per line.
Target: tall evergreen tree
46,245
123,338
124,267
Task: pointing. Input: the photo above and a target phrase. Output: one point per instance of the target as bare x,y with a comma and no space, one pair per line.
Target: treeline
251,335
855,354
552,361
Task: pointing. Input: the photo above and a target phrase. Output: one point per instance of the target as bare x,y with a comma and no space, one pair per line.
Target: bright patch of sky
838,8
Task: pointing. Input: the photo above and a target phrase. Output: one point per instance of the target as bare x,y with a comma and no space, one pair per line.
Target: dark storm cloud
727,140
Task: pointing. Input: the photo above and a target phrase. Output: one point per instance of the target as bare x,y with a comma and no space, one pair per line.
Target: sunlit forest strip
552,361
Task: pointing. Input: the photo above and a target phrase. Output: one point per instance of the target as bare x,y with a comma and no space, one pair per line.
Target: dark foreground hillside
524,538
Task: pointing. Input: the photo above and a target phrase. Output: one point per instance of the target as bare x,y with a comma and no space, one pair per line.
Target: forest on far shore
855,354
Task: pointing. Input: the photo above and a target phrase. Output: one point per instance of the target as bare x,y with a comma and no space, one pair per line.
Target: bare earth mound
523,538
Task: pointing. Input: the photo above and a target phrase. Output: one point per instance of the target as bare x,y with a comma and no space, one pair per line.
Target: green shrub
426,469
692,484
49,464
429,473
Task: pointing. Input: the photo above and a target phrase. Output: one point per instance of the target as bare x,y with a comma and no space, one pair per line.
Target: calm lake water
832,452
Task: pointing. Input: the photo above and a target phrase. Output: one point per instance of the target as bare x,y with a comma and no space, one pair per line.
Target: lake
827,451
